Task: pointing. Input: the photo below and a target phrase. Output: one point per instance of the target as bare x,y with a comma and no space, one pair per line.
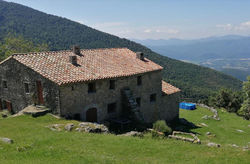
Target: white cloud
240,27
147,31
225,26
161,29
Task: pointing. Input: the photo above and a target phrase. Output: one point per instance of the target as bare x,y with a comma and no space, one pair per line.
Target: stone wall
170,107
77,100
16,74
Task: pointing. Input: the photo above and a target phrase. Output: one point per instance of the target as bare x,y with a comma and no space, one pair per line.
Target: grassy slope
44,145
59,33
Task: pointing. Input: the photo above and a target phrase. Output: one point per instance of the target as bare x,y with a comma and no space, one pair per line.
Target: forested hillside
60,33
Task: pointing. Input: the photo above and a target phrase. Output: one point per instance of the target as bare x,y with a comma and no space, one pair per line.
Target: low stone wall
213,110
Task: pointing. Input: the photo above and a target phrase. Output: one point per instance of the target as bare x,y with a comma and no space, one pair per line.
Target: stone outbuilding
90,85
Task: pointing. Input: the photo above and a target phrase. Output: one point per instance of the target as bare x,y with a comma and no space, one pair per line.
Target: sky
154,19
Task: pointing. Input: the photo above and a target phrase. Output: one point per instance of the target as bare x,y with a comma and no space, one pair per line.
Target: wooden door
40,92
91,115
1,107
9,106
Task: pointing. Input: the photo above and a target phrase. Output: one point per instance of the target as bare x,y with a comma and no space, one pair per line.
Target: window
112,84
152,97
4,104
26,87
5,84
138,101
72,88
91,88
139,81
111,108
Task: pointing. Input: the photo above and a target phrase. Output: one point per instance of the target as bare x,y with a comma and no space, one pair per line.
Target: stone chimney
140,55
76,50
73,59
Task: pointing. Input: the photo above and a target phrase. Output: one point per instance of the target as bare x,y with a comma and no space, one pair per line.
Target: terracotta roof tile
168,88
93,64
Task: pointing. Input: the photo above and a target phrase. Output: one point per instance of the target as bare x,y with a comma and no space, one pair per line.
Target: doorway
39,92
91,115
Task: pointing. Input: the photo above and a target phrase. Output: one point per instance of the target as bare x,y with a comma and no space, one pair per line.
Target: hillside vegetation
35,143
60,33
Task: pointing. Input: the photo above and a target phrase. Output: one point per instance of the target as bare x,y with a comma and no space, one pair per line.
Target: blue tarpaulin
187,106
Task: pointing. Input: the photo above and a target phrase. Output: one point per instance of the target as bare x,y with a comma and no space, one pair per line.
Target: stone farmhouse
90,85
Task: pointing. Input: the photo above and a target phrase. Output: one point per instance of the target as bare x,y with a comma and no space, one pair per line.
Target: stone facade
19,86
79,100
16,75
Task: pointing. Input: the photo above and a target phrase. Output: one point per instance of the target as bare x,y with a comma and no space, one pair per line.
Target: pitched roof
92,65
168,88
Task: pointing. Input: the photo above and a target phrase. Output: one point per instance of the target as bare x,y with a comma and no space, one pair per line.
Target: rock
245,148
238,130
55,127
92,128
249,126
203,124
69,126
208,133
234,145
4,115
205,117
211,144
133,134
6,140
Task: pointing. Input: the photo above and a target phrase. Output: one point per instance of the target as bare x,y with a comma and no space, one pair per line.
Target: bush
161,126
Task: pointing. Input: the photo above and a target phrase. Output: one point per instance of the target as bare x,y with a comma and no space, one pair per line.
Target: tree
12,44
245,109
227,99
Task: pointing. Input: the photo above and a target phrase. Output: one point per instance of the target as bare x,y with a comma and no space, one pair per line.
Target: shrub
161,126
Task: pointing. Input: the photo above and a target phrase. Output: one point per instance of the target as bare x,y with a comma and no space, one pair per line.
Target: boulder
205,117
55,127
238,130
6,140
246,148
133,134
208,133
211,144
234,145
92,128
4,115
203,124
69,126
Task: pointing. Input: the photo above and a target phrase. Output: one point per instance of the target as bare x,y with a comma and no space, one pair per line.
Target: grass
34,143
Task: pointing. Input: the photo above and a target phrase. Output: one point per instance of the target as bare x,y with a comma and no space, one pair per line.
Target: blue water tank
187,106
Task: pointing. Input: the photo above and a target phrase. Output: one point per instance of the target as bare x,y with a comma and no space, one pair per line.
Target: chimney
76,50
140,55
73,60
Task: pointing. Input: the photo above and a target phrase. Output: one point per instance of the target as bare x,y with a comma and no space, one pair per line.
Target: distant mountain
213,52
60,33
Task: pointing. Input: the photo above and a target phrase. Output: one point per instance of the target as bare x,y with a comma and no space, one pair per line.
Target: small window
112,84
139,80
112,108
91,87
26,87
152,97
138,101
4,104
5,84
